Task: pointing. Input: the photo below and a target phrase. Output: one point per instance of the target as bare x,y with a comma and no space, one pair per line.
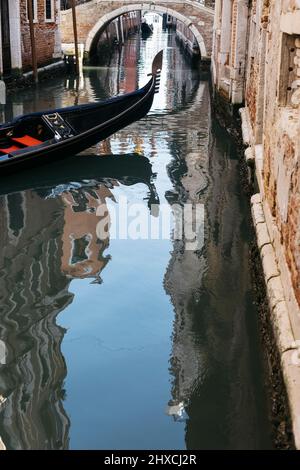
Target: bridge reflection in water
132,357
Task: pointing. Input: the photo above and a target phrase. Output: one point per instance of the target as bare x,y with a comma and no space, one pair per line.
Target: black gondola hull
113,114
79,169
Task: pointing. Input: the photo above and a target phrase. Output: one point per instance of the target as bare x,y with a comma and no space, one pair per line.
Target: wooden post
121,28
75,36
32,41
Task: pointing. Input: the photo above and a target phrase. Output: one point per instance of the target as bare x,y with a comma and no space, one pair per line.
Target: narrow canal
130,343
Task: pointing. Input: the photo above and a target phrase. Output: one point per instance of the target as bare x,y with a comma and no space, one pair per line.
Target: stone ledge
2,446
257,213
269,262
291,373
46,68
246,126
286,342
263,237
282,328
275,292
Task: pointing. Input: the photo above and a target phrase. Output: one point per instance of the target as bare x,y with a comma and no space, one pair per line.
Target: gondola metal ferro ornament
41,137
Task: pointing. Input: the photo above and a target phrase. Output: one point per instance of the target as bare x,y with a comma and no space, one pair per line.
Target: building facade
15,45
256,64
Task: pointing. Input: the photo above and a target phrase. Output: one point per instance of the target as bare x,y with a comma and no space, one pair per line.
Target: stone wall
256,62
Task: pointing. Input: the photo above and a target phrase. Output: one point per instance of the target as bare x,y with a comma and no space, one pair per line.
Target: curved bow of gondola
44,136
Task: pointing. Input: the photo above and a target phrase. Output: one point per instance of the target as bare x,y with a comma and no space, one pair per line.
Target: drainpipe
32,40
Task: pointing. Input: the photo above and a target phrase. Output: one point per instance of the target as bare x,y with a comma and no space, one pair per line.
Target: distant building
168,21
15,47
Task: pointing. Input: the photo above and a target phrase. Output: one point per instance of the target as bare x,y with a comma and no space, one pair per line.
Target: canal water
132,343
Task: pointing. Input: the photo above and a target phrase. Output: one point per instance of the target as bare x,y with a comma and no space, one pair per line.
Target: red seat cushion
27,140
13,148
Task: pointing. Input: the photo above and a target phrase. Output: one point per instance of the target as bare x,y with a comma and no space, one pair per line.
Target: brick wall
44,36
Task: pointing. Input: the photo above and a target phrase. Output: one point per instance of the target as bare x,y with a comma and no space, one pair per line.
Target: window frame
52,19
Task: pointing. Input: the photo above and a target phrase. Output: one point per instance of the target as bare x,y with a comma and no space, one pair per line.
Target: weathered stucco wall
281,165
264,40
256,62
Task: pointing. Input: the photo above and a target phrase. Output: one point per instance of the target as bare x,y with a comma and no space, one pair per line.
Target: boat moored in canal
146,29
41,137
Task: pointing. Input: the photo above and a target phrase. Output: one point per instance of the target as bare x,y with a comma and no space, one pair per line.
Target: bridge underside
93,16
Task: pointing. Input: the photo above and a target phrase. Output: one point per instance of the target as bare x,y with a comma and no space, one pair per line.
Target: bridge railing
66,4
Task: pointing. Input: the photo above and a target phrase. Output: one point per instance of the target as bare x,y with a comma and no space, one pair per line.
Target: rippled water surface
128,344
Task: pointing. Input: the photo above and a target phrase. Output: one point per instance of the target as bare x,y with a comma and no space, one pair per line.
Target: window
49,10
80,249
34,9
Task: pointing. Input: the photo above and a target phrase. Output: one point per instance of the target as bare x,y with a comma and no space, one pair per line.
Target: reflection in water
186,269
216,387
33,292
82,249
187,317
44,244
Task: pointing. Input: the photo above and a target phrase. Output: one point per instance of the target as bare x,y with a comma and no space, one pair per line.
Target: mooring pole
75,36
32,41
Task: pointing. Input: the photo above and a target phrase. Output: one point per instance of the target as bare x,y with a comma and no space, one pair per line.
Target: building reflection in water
33,291
185,272
82,250
44,244
48,238
216,386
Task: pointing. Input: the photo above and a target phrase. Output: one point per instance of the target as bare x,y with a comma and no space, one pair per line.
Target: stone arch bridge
94,15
